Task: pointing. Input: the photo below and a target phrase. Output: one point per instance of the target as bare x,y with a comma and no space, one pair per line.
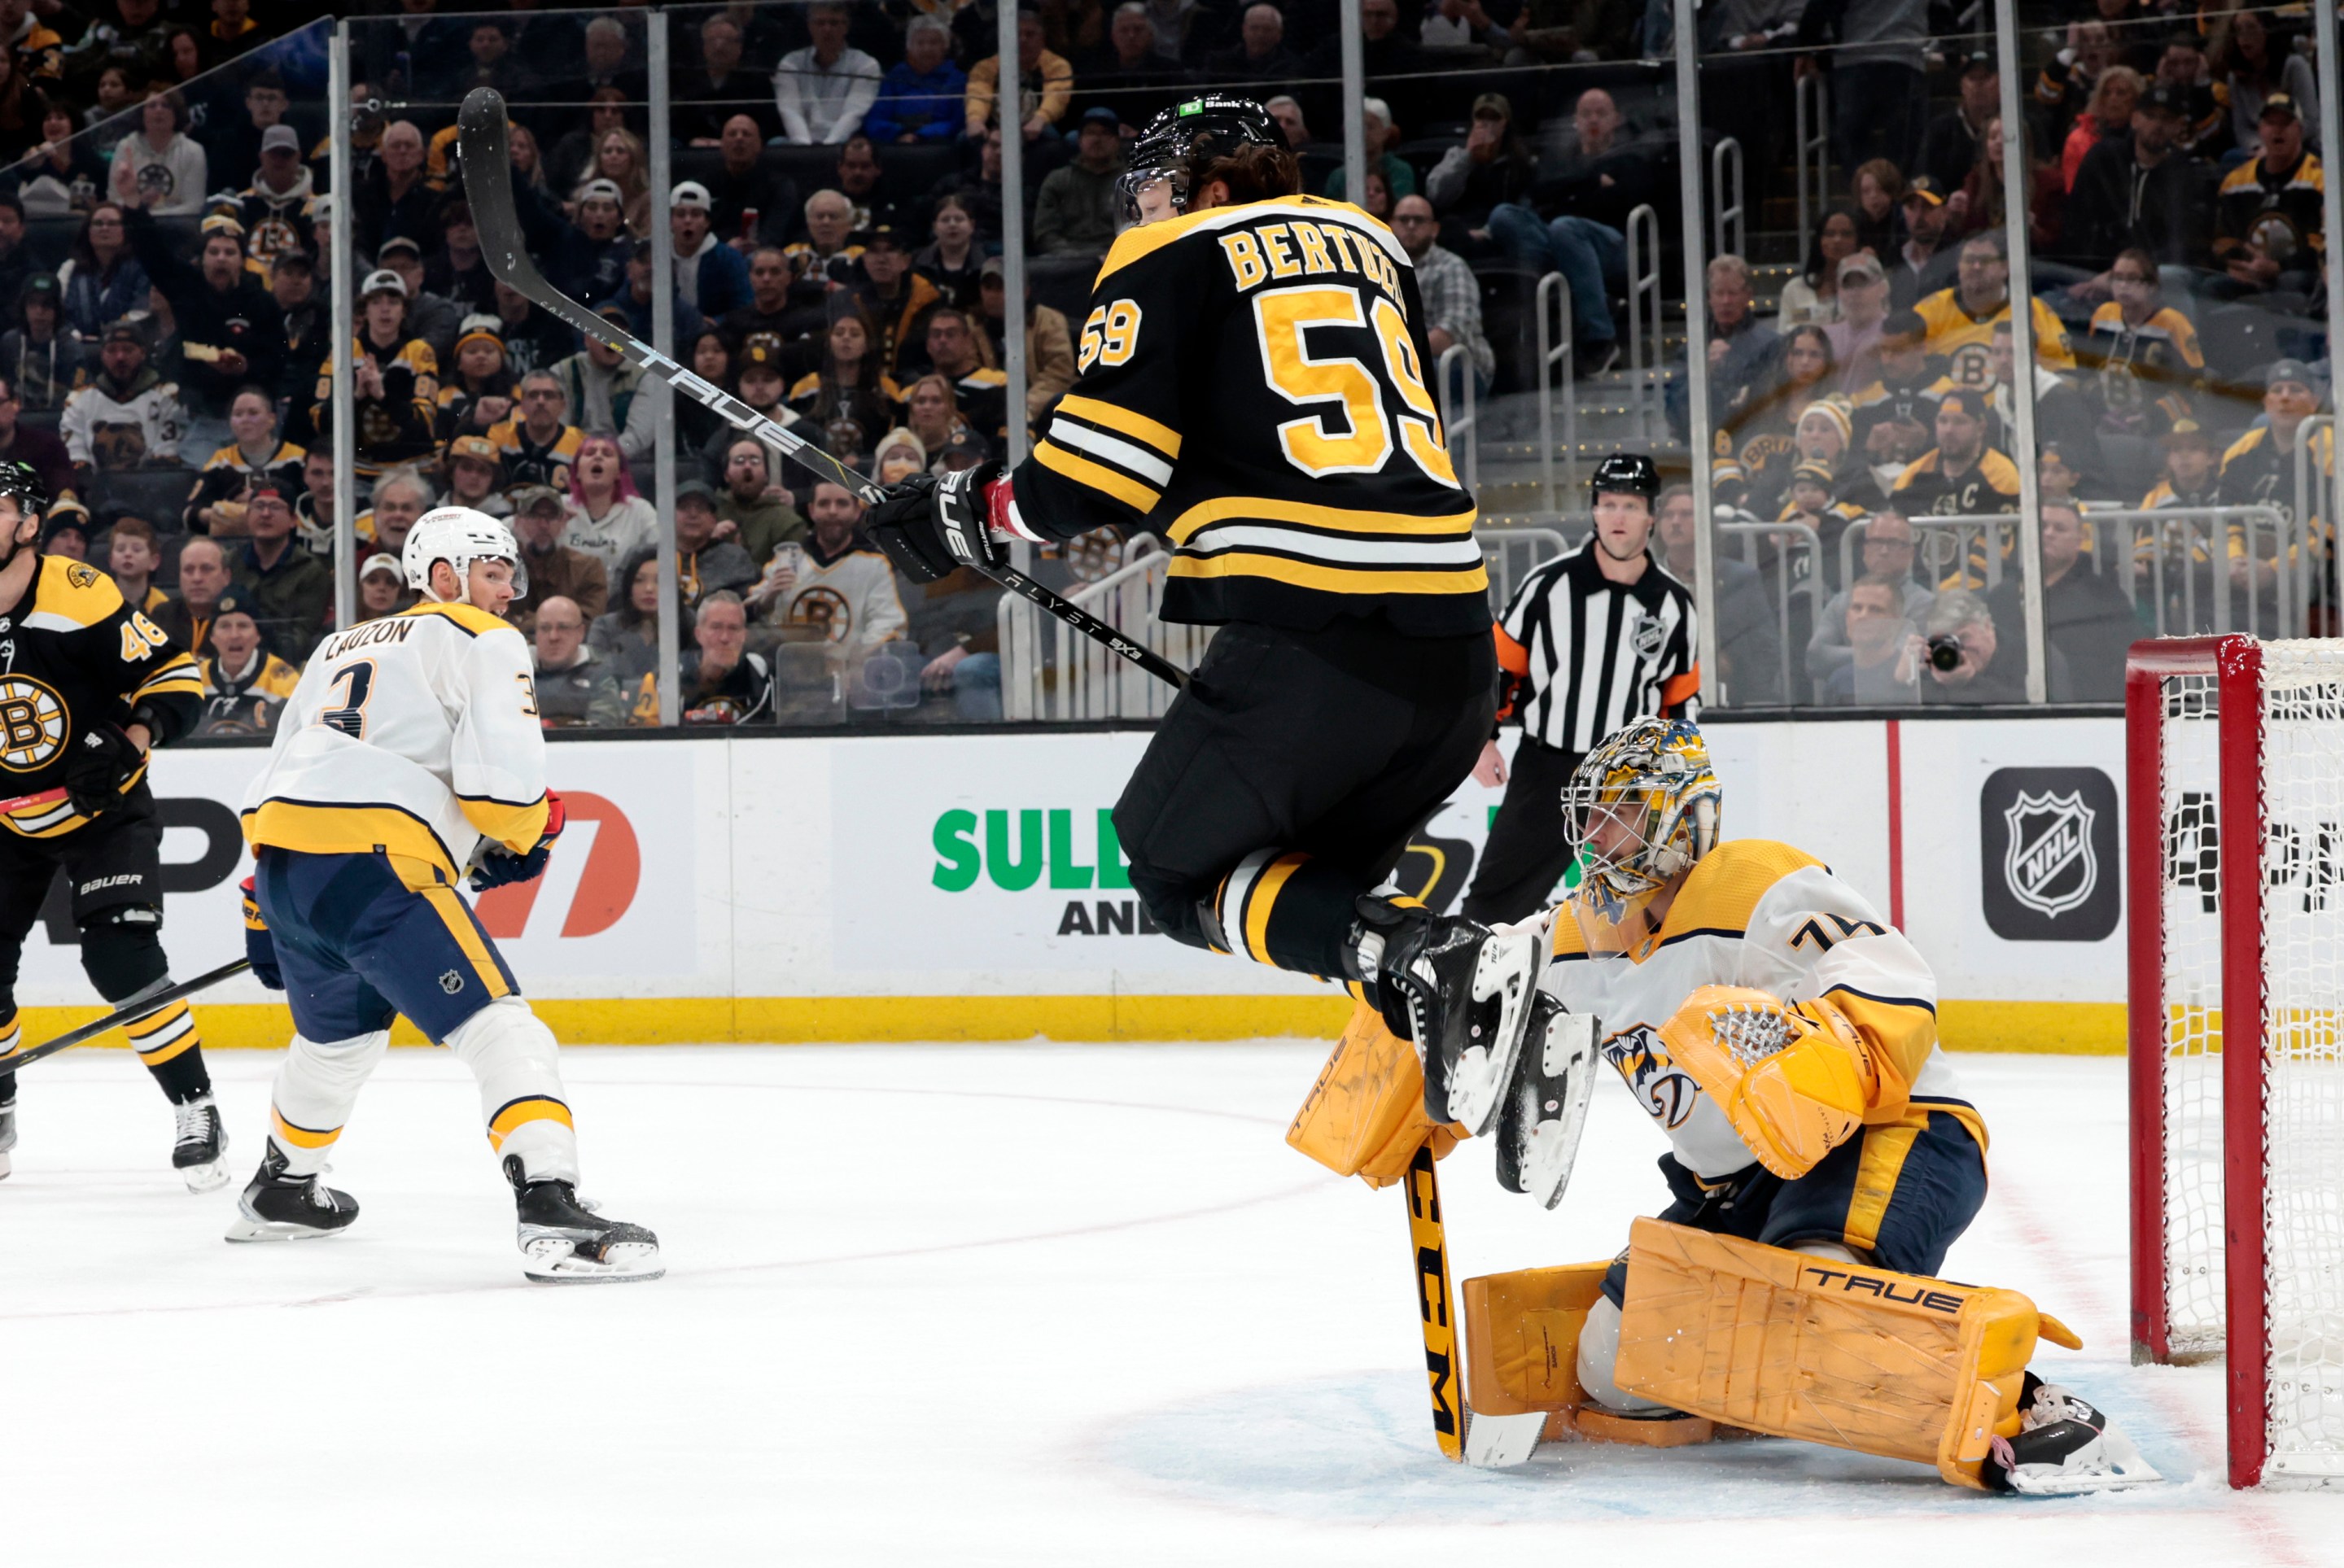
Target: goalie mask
1642,809
1180,140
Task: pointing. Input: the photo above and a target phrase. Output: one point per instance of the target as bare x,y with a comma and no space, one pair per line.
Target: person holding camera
1958,658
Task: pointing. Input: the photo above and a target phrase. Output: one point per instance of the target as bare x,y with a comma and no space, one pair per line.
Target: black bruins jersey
72,655
1253,386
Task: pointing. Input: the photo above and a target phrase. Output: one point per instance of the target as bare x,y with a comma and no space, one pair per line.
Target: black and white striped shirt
1589,654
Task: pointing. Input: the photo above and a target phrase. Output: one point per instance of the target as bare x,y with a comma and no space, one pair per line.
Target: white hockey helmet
458,536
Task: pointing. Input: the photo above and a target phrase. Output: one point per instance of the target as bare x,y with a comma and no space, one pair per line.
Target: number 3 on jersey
357,684
1286,318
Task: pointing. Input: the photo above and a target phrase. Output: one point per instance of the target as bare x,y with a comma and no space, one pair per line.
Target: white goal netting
2300,920
2192,1076
2303,1094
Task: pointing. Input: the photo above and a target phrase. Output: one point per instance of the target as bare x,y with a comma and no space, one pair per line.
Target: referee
1592,639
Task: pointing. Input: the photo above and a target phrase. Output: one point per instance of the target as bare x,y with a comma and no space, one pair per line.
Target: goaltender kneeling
1785,1038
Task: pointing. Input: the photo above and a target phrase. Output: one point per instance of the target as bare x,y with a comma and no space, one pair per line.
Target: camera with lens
1945,653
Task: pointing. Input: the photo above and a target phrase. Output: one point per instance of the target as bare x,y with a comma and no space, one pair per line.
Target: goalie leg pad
513,1055
1855,1357
316,1084
1365,1116
1523,1338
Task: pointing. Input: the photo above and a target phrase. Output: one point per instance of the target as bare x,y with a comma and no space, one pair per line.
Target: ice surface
947,1305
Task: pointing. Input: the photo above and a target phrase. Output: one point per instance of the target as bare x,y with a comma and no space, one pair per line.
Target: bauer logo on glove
1795,1079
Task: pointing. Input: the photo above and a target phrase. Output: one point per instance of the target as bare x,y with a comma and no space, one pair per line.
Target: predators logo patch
1665,1090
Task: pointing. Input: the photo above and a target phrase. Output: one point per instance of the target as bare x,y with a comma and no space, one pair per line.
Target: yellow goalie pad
1834,1352
1795,1081
1521,1355
1365,1116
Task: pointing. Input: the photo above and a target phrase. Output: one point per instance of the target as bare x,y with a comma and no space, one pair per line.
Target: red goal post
2236,992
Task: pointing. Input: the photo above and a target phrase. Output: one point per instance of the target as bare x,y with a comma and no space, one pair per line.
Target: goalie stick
488,185
137,1007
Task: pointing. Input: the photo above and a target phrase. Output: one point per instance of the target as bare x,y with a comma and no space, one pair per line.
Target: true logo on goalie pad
2048,837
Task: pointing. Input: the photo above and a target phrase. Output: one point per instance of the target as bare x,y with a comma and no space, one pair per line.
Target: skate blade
1505,971
205,1178
550,1261
245,1228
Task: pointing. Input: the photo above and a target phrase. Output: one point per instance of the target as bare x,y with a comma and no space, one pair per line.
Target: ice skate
199,1153
564,1242
1545,1107
1467,990
276,1207
7,1134
2065,1444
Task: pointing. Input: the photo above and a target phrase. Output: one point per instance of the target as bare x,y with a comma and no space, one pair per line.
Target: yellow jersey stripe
354,830
513,1114
1123,421
517,827
299,1137
1337,519
1097,476
1877,1169
1327,579
1263,899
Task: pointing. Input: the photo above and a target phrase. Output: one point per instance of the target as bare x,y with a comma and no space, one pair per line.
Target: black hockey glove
259,947
930,528
501,866
100,762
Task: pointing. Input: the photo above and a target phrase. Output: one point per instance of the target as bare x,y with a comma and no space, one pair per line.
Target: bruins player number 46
88,685
1253,386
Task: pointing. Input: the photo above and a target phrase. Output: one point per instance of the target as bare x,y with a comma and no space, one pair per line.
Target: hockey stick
488,185
1430,1238
137,1008
46,798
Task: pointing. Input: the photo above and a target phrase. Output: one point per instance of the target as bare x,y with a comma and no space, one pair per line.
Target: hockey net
2238,1057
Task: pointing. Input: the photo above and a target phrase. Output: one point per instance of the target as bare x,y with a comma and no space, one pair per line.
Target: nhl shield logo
2049,862
1646,635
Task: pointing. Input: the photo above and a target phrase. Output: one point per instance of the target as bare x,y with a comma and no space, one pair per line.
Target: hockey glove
930,528
1793,1079
100,763
259,947
501,866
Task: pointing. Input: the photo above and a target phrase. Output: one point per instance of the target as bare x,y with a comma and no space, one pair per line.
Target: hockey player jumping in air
87,684
410,752
1821,1160
1252,387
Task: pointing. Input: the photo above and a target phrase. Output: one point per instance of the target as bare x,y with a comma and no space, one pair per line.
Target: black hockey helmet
23,482
1626,474
1180,140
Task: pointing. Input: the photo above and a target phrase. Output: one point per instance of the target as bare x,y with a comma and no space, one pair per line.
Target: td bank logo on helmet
610,870
1046,853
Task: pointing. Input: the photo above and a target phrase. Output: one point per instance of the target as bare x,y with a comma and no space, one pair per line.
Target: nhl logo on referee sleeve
2048,854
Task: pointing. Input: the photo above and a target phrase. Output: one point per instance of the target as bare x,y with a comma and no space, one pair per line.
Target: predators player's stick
488,185
137,1007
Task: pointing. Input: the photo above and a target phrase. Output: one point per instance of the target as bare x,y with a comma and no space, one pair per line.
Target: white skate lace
192,1121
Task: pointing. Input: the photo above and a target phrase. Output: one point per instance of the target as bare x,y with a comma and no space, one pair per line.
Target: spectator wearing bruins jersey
394,383
2141,360
88,685
2259,467
245,684
1960,320
1961,476
1252,387
2269,220
215,502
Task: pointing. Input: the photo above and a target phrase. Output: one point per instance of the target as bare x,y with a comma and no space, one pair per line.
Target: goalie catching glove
930,528
1795,1079
499,866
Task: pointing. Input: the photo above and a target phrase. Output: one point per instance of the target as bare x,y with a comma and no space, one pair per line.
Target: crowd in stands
835,215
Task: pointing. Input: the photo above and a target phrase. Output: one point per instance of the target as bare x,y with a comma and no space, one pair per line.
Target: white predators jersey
414,735
1753,913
